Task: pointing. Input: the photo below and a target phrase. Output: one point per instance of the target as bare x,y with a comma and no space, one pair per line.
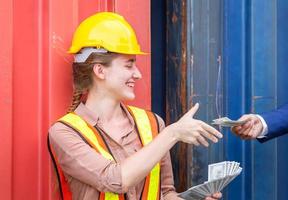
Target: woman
102,148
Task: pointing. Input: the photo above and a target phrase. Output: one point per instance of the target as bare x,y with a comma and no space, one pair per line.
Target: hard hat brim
75,51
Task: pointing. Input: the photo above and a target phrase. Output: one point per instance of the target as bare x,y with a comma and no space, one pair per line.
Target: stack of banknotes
219,176
226,122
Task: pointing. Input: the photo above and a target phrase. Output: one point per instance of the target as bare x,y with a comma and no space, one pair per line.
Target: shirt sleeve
79,160
265,128
167,180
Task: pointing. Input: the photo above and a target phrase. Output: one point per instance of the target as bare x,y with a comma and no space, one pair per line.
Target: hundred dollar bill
217,170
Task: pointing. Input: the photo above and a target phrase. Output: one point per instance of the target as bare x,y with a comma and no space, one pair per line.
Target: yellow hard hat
106,30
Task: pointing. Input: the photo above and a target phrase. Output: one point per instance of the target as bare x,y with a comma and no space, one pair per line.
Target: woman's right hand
193,131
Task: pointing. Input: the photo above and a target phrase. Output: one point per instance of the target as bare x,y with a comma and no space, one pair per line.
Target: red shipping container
36,85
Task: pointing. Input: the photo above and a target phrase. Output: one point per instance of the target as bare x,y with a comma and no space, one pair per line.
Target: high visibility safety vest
148,128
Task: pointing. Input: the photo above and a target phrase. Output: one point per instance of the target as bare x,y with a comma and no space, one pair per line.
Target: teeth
130,84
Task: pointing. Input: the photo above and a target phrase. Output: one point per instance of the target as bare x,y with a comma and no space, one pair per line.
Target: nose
137,74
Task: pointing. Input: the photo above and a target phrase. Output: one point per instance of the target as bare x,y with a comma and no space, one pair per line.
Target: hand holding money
250,129
219,176
226,122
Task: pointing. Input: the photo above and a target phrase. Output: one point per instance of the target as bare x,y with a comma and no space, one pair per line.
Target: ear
99,71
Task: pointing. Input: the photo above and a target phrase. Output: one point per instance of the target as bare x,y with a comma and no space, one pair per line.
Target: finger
236,129
252,132
209,136
192,141
247,126
245,117
193,110
202,141
211,130
248,131
211,198
217,195
256,128
245,137
195,142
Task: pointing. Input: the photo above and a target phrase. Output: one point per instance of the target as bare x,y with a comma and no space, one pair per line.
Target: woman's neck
107,108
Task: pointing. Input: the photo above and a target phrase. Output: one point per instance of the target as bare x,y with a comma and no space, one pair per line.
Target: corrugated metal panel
251,37
205,77
254,52
236,76
6,60
263,94
35,71
282,94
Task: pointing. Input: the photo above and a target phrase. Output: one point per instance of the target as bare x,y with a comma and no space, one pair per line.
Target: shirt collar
87,114
94,119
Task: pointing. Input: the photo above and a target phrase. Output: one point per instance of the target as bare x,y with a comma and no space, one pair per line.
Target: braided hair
83,76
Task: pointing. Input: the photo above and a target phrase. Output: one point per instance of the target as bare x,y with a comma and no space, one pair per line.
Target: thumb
193,110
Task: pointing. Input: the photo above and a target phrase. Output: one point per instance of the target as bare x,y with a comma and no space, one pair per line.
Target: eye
129,66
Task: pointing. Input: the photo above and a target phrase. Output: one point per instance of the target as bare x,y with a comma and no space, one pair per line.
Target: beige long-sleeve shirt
88,172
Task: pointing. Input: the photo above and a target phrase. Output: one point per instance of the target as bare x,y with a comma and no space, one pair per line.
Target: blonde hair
83,75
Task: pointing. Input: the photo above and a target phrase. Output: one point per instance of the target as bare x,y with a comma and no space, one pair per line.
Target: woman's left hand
214,196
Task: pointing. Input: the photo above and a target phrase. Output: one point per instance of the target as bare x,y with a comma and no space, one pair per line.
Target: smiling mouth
130,84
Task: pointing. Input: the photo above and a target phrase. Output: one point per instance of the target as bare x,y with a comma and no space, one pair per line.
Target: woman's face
120,77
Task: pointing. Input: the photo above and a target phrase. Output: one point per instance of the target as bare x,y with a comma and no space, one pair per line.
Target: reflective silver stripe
85,53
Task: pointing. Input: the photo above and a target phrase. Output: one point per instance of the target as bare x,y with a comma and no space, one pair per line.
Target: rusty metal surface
176,97
193,61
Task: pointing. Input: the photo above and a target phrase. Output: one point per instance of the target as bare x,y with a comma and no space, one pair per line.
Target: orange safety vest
148,128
